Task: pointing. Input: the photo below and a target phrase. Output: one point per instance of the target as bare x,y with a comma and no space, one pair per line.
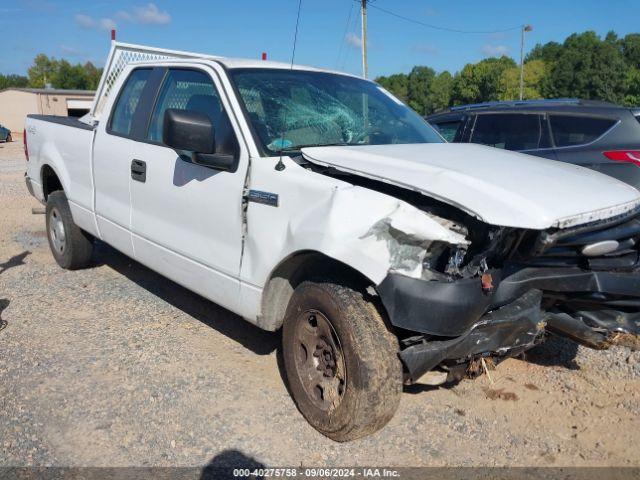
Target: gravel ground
117,366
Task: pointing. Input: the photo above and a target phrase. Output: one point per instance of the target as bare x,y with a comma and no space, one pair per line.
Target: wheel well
292,272
50,181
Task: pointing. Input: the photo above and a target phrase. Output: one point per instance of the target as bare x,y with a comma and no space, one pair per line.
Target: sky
329,30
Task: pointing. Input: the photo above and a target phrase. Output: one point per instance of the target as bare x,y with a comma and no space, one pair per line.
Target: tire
9,138
354,361
70,246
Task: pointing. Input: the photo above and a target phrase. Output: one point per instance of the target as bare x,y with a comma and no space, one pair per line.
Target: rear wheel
341,360
9,139
71,247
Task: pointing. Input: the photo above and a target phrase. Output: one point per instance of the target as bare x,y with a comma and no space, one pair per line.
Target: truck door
115,146
187,219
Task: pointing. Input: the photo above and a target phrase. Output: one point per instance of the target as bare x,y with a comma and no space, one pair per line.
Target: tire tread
376,351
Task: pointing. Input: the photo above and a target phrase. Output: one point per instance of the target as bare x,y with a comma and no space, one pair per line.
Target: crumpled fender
369,231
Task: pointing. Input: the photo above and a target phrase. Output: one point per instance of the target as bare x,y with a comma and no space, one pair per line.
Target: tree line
57,73
583,66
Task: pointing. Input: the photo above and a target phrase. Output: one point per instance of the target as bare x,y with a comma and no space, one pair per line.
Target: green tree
631,49
632,95
8,81
62,74
439,96
42,71
535,72
480,82
584,66
92,74
419,84
398,84
69,76
612,38
588,68
548,53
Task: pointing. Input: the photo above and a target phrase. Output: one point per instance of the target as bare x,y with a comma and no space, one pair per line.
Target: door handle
139,170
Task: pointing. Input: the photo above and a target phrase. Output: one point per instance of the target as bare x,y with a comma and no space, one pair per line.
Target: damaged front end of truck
499,295
491,291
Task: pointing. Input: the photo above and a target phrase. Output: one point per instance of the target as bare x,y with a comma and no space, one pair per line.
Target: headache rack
122,54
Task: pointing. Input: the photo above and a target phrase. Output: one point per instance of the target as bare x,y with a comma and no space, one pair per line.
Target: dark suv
598,135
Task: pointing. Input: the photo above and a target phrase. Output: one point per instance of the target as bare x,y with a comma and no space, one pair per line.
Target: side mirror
192,131
188,130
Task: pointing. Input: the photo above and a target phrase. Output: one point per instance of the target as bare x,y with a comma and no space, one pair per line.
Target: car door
115,145
187,219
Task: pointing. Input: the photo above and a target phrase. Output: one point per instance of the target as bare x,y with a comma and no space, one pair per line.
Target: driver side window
193,90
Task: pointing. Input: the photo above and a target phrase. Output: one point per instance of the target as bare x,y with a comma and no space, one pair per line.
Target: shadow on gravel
417,388
222,465
555,352
14,261
255,339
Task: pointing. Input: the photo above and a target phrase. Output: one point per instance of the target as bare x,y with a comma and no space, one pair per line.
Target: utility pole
363,11
525,28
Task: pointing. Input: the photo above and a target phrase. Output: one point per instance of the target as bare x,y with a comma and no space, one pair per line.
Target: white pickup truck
317,202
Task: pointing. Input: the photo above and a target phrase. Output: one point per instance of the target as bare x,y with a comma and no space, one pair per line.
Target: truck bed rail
68,121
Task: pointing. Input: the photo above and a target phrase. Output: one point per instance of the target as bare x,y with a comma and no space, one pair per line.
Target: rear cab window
126,105
511,131
571,130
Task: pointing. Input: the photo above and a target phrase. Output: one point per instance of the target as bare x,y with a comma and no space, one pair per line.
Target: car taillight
629,156
24,142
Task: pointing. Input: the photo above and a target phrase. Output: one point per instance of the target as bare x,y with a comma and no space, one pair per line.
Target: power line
347,52
344,35
280,165
295,35
444,29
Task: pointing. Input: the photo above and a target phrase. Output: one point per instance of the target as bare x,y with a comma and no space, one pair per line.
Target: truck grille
566,248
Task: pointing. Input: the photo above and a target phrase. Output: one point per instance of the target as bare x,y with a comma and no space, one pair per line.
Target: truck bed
67,121
64,145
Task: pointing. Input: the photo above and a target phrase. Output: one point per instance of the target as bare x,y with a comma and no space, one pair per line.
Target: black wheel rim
319,360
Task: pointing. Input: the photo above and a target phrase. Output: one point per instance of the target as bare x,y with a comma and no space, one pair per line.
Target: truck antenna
280,165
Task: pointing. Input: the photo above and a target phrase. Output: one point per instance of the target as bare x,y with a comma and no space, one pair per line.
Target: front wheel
9,139
341,360
70,246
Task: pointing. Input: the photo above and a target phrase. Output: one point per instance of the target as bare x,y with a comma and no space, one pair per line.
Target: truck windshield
292,109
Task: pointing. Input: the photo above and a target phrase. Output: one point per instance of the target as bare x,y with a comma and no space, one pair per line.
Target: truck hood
498,187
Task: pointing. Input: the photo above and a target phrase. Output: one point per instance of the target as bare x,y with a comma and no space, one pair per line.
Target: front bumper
449,309
508,330
459,321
